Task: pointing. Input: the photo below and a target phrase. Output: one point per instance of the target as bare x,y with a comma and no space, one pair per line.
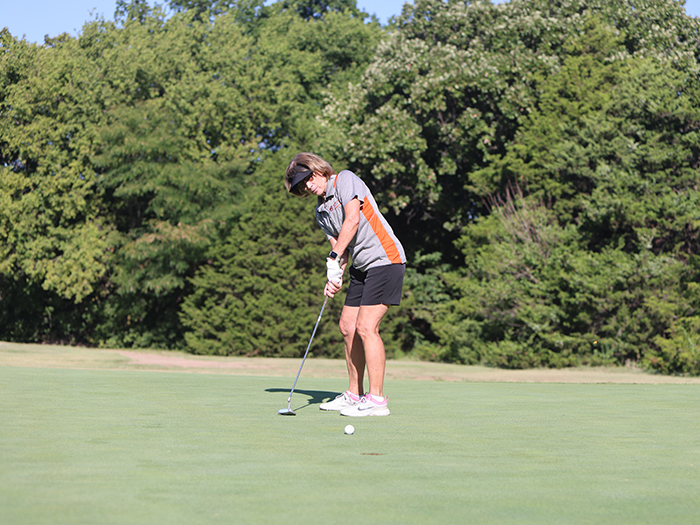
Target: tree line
538,159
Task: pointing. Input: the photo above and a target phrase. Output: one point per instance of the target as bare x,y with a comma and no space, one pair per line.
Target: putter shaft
288,411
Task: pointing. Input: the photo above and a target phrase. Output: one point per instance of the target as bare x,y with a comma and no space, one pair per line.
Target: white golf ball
349,429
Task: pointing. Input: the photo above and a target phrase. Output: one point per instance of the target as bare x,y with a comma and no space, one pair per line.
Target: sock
352,396
378,399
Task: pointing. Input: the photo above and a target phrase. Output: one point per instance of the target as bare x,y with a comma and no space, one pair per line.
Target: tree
128,152
586,265
245,12
54,248
451,86
261,286
538,160
317,9
530,95
260,290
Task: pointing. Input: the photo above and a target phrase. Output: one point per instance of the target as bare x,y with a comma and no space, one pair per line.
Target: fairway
102,446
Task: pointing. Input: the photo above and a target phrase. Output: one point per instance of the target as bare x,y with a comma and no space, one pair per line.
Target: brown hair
311,161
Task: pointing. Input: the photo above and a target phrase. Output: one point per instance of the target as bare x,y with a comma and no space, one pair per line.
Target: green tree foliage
450,87
253,296
591,260
260,290
213,8
54,247
129,152
538,159
168,167
317,9
540,147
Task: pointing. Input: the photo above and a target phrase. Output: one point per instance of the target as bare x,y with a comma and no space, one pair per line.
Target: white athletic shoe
368,406
340,402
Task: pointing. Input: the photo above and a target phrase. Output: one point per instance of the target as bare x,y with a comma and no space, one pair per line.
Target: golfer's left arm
340,245
348,230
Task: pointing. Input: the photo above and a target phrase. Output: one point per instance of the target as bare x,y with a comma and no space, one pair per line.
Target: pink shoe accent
352,396
376,401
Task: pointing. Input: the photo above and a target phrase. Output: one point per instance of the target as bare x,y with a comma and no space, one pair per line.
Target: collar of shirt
330,189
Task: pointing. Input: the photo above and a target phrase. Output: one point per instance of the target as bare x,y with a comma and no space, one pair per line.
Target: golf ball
349,429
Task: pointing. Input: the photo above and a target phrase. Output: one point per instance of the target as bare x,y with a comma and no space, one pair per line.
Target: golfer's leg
368,321
354,353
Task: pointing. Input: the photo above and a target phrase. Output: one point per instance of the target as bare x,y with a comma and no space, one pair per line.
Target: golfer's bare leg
354,352
367,323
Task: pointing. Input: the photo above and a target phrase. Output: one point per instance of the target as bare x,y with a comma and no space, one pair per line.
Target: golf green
96,446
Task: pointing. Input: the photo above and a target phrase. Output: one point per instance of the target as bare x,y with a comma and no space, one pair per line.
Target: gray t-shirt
375,243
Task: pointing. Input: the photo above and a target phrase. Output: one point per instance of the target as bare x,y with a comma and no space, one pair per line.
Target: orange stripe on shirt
384,238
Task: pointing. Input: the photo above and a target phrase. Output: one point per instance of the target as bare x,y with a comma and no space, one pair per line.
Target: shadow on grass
316,397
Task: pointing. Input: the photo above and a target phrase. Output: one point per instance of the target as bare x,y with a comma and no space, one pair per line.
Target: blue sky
35,18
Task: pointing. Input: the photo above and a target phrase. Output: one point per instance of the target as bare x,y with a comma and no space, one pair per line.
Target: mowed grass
96,446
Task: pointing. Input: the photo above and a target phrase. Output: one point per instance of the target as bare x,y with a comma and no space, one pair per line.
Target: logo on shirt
333,205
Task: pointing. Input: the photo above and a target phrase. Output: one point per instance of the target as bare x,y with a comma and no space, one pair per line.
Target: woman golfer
348,215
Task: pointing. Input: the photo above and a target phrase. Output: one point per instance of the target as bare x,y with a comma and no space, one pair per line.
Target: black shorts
380,285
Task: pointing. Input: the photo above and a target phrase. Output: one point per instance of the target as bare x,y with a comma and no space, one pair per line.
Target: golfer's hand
334,272
333,288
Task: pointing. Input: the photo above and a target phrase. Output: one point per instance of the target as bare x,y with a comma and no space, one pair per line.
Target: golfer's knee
366,331
346,328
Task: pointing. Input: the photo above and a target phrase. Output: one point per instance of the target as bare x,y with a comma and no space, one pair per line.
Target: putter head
286,412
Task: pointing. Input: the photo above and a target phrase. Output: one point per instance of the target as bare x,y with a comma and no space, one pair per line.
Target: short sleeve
349,186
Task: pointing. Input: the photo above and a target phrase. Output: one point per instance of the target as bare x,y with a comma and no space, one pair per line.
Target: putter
288,411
